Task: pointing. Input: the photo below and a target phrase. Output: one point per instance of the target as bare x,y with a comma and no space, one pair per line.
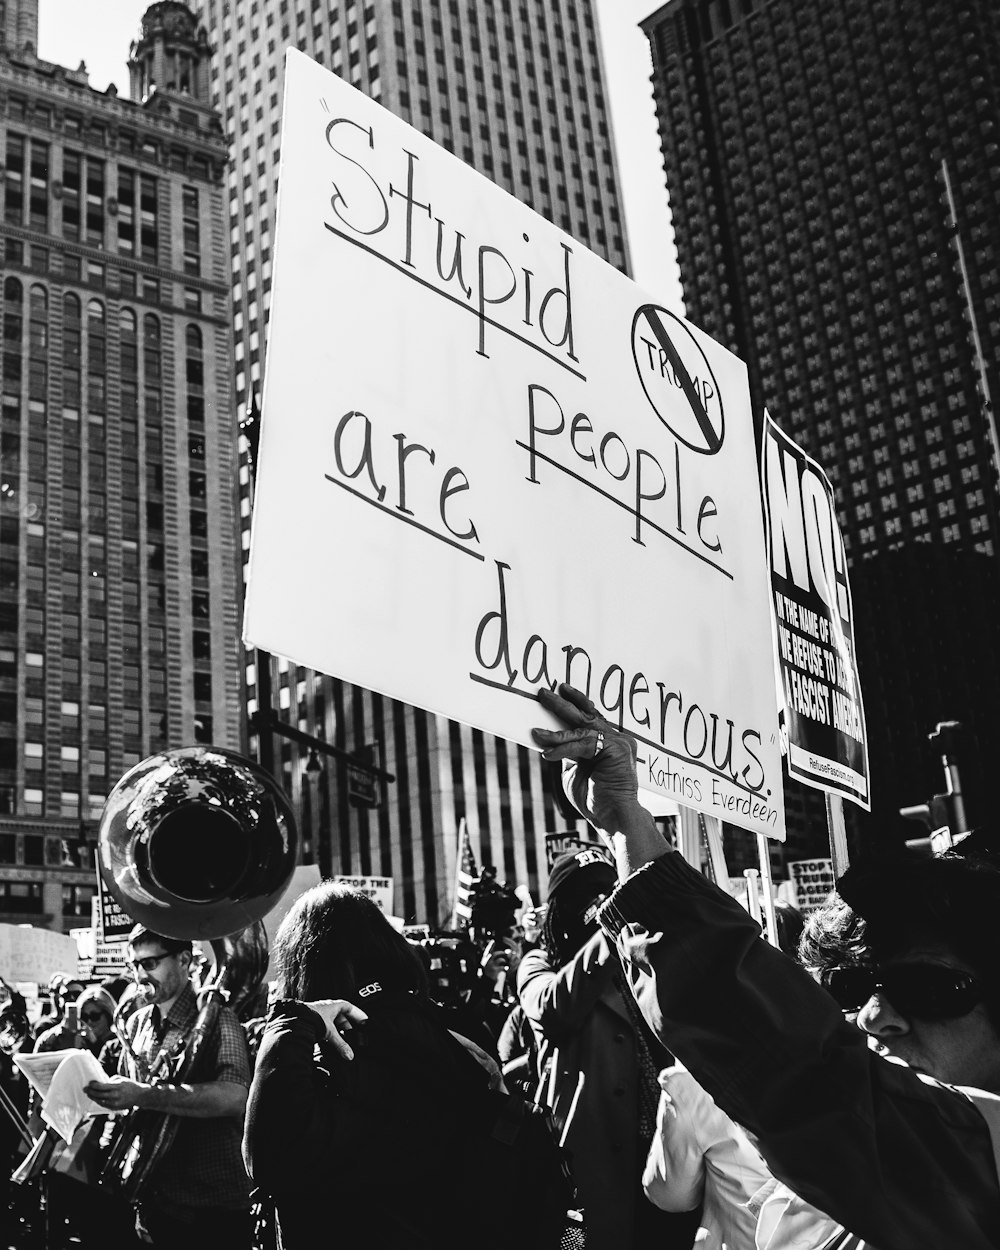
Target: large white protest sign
30,954
490,462
814,623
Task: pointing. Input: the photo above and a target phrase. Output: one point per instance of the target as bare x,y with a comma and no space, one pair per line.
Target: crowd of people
705,1089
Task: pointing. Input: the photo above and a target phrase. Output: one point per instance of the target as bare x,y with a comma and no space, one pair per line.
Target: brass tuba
195,843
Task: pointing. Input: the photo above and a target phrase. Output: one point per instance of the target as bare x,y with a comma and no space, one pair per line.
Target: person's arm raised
599,777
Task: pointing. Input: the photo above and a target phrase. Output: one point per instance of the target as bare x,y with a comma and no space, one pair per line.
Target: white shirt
699,1156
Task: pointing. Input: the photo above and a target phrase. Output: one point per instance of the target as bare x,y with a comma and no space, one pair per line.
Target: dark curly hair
833,936
335,940
886,906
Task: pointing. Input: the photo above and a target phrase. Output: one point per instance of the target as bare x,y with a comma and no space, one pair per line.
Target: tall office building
516,90
18,23
834,181
119,564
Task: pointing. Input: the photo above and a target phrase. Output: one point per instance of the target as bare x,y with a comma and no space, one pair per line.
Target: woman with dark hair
335,941
352,1130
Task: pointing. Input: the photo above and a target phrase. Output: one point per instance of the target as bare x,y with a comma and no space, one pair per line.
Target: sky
99,32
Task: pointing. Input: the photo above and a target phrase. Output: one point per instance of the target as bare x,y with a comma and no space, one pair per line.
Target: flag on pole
465,878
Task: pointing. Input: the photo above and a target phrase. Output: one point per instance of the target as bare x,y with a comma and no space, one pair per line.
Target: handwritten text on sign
515,468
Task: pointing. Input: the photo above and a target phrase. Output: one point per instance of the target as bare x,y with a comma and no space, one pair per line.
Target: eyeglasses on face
91,1017
148,962
924,991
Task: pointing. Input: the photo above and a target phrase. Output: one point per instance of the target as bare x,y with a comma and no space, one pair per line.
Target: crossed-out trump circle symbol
678,379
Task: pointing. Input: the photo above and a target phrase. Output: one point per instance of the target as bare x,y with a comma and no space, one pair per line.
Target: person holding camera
86,1024
62,993
362,1097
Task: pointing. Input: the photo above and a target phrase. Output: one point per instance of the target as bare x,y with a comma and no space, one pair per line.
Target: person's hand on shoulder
340,1017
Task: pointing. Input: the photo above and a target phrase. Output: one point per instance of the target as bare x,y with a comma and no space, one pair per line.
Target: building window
77,899
97,353
191,229
126,212
71,195
72,341
95,203
38,197
38,342
149,235
24,897
14,181
128,331
152,364
195,361
13,293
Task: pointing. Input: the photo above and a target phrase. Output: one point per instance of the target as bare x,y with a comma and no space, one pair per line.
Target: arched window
128,330
13,336
195,359
129,339
152,365
39,305
72,347
38,342
97,357
151,350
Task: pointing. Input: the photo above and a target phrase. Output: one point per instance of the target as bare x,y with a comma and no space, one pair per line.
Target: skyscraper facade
18,23
514,88
118,516
834,184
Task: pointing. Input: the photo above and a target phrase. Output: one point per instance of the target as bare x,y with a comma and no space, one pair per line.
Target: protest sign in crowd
628,1063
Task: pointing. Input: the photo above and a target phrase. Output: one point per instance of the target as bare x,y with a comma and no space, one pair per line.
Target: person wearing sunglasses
95,1009
85,1023
199,1192
858,1104
910,964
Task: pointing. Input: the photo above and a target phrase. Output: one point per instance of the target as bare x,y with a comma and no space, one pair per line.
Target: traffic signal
940,819
943,814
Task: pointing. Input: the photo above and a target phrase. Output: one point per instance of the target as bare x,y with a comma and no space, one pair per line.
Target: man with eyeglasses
868,1135
199,1193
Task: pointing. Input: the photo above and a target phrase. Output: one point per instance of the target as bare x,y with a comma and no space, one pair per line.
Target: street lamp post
265,721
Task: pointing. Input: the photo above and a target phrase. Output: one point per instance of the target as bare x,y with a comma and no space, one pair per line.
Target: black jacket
361,1147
